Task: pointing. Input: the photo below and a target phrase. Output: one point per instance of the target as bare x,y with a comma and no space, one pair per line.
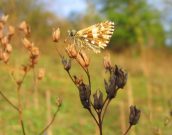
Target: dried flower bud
71,51
66,63
25,68
11,31
1,34
4,41
56,35
111,87
98,100
134,115
84,93
107,62
4,18
41,73
118,79
35,51
77,80
25,28
27,44
83,59
5,57
23,25
59,102
9,48
121,77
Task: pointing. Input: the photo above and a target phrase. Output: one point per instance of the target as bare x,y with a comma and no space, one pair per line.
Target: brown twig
127,130
59,53
19,84
8,101
50,123
72,78
100,123
35,89
105,107
93,117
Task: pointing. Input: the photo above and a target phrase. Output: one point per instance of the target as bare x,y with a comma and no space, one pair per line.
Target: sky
63,8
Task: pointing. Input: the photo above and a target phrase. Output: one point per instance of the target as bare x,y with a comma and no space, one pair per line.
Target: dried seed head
5,57
84,93
98,100
9,48
1,34
71,51
59,102
56,35
134,115
121,77
66,63
25,68
11,31
35,51
27,44
83,59
117,80
4,41
23,25
41,73
33,61
4,18
77,80
107,62
25,28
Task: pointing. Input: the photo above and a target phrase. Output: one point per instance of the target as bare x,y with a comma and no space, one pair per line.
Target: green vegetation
139,26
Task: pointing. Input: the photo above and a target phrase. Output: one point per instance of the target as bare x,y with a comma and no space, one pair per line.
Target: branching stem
51,122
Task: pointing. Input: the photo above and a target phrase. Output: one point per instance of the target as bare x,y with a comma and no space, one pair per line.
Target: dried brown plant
33,58
117,80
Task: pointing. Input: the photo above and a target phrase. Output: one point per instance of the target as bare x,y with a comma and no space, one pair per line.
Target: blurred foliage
167,19
136,21
138,24
32,11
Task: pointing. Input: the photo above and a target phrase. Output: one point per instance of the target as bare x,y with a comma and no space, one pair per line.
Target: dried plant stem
100,122
50,123
8,101
127,130
19,84
19,106
71,78
35,83
59,53
105,107
93,117
88,76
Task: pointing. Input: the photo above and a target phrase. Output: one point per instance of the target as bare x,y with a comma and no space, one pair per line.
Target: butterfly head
71,33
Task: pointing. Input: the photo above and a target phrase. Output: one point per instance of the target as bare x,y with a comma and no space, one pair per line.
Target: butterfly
95,37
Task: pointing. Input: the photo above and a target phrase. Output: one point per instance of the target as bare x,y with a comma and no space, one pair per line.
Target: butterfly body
95,37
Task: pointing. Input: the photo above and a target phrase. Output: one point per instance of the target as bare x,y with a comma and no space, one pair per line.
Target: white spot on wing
95,32
93,42
85,36
106,36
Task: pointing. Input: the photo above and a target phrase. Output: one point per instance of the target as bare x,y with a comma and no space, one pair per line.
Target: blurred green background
141,44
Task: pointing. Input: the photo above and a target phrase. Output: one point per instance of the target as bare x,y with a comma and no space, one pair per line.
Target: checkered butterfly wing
96,36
